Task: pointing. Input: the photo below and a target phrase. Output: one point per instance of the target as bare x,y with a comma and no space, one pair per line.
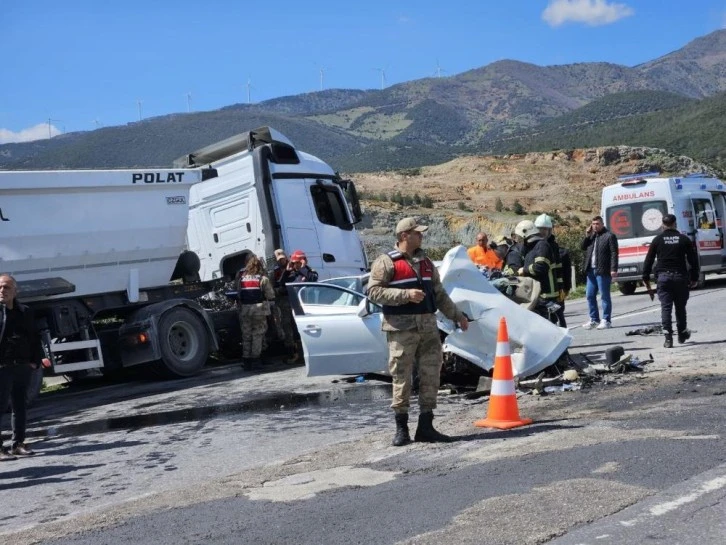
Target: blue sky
85,64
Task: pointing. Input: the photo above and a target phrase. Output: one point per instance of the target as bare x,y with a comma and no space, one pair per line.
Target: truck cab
269,195
633,211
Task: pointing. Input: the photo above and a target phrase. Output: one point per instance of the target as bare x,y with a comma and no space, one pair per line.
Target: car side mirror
365,308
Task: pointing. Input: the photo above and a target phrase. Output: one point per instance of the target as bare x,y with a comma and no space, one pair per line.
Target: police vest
405,277
250,289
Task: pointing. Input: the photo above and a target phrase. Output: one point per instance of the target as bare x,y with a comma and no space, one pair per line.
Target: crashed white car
340,328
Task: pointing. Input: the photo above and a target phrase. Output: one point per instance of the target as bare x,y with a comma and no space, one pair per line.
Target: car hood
535,343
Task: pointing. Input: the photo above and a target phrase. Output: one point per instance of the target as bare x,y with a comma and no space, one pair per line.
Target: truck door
705,232
340,245
314,217
295,217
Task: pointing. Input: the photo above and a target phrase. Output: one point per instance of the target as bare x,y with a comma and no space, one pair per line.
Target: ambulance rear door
703,230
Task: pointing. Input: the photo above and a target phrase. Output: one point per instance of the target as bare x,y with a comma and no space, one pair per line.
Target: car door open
340,330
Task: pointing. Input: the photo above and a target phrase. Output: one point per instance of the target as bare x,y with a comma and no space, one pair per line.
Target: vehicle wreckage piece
536,342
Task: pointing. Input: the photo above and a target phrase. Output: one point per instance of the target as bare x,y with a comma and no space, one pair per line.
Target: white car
340,328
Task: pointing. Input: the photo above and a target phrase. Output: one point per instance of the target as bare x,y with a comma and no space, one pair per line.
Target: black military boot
683,336
425,432
402,437
668,341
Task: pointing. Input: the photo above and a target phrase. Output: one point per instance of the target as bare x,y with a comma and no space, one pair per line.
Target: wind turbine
50,121
249,88
139,102
189,101
97,123
322,76
382,71
439,70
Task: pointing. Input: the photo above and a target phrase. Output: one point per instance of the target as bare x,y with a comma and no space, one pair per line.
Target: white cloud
38,132
589,12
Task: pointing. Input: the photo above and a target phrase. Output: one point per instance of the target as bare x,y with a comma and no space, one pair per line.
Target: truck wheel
627,288
183,342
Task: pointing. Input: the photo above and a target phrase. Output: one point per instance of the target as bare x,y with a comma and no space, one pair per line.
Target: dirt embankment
476,193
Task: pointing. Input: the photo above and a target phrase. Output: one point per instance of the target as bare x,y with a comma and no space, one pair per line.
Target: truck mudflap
176,335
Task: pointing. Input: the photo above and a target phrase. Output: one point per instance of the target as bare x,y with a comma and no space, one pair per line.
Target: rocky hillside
494,193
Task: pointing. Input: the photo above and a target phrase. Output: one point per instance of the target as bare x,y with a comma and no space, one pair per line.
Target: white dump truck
111,261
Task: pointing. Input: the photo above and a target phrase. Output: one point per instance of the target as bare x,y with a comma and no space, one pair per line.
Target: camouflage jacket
380,293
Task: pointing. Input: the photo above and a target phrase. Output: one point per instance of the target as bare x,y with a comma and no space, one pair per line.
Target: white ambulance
633,210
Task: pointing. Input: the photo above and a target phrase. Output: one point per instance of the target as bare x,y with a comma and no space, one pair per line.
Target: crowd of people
530,251
263,299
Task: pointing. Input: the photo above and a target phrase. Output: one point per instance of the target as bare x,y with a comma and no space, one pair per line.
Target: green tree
427,202
518,209
498,205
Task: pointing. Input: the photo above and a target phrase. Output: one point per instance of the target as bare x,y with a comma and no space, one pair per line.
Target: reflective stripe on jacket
405,277
250,289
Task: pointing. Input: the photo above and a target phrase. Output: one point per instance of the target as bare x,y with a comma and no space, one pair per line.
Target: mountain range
676,102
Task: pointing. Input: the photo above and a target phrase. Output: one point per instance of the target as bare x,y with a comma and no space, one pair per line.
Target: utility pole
138,103
189,102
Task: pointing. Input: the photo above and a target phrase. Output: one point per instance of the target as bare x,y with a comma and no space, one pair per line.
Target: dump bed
100,230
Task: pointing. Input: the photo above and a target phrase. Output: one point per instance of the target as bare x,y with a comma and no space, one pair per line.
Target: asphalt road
637,458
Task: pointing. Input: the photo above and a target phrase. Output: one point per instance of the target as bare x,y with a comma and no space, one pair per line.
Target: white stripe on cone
502,349
502,388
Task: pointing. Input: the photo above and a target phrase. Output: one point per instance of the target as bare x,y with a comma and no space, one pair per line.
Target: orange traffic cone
503,412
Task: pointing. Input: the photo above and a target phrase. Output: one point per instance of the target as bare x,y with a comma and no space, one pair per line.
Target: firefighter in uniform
514,260
677,261
254,296
545,225
407,285
541,263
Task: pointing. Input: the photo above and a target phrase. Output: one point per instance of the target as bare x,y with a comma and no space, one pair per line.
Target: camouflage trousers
404,349
254,328
287,322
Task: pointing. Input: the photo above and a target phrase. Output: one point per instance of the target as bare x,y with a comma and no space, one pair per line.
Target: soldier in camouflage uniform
254,295
407,285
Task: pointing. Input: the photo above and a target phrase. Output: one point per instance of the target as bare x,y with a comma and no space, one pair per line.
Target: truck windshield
637,219
330,207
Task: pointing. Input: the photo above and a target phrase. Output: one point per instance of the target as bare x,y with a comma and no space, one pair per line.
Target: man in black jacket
676,256
20,354
600,266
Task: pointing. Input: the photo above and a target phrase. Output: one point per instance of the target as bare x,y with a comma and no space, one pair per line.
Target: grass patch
46,388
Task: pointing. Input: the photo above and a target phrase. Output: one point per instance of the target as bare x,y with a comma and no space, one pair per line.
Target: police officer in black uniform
677,261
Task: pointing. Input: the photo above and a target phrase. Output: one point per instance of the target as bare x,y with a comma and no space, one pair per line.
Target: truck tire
183,342
627,288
